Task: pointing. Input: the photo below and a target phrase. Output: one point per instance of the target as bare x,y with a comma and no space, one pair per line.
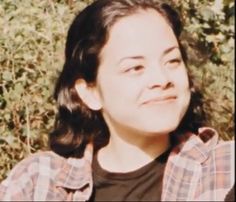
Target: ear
88,94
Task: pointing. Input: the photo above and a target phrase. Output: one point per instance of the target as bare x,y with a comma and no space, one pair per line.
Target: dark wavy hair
76,124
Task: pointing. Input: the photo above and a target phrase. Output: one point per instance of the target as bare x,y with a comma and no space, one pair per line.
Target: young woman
126,128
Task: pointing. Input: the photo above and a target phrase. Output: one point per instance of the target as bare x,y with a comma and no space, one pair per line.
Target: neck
125,155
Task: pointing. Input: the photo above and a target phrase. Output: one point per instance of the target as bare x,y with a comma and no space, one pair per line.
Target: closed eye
135,69
174,62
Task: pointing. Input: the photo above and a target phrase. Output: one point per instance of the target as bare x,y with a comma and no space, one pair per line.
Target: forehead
144,30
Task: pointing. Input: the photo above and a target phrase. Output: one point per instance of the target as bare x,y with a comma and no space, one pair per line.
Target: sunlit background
32,37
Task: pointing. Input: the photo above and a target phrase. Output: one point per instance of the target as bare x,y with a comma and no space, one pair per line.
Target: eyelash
135,69
138,68
173,61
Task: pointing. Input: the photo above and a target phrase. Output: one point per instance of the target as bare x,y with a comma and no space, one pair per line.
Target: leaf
206,13
7,76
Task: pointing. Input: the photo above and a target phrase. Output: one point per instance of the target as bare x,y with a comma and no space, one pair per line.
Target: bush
31,55
209,36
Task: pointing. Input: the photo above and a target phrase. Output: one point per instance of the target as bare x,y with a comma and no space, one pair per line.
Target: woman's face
142,83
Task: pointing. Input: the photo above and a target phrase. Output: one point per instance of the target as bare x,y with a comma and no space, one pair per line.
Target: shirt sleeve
19,184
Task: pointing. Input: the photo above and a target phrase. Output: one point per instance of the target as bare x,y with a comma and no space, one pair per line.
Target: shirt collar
76,173
197,147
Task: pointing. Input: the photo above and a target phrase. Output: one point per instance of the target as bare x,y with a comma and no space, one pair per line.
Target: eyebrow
131,57
168,50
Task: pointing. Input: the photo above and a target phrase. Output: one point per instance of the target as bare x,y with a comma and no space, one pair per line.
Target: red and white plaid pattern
196,170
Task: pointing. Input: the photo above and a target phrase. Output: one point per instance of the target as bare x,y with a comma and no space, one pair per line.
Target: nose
158,78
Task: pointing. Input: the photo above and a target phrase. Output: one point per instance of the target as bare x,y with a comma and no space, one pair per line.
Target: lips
160,99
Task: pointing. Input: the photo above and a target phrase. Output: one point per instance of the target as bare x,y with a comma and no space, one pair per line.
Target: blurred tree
32,37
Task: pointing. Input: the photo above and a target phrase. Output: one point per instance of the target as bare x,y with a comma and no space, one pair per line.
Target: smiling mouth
160,100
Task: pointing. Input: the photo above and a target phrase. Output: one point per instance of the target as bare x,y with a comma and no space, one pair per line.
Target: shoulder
205,163
45,176
23,178
221,151
221,156
204,145
218,166
36,164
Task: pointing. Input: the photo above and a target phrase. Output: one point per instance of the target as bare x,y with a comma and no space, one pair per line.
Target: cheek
183,88
115,91
180,79
181,83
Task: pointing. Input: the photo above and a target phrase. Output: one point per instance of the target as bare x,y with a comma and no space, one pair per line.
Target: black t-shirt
143,184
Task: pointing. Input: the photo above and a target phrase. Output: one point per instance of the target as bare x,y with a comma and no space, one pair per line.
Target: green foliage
32,37
209,36
31,54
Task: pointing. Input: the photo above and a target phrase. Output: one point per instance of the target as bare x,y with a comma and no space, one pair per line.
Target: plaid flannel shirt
196,170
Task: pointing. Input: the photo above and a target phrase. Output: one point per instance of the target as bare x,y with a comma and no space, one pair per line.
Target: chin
163,130
161,127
